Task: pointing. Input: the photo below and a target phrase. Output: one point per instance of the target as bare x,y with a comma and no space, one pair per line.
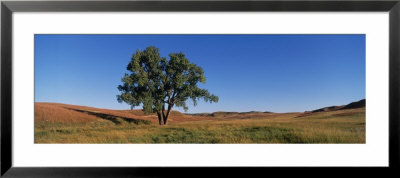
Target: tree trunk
163,115
166,116
160,118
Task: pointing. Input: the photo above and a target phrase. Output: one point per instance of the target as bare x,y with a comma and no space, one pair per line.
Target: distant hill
65,113
358,104
353,105
228,114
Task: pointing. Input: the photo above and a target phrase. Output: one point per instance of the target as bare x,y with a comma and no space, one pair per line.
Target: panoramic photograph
199,89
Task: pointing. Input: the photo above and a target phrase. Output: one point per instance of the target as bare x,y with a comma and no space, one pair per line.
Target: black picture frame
8,7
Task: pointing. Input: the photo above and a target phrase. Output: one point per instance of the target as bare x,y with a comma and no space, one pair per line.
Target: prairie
62,123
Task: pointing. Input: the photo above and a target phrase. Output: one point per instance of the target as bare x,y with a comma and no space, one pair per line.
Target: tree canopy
154,81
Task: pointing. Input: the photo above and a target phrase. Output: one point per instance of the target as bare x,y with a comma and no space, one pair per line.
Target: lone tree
154,82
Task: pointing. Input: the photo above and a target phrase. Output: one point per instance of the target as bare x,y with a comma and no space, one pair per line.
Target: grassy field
61,123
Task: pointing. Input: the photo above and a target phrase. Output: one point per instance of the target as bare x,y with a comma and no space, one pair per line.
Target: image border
8,7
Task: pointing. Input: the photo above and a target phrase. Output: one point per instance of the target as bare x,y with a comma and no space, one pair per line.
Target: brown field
62,123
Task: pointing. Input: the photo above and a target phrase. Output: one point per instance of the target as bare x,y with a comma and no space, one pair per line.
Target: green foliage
154,81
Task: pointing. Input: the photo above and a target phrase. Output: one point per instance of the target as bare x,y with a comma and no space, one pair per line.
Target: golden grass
54,123
54,113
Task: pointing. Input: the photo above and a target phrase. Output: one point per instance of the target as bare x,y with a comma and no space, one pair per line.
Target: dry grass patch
59,123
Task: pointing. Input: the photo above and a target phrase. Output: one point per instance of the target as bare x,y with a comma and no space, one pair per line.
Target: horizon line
203,112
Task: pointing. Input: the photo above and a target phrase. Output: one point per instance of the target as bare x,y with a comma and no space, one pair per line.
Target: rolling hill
65,113
63,123
353,105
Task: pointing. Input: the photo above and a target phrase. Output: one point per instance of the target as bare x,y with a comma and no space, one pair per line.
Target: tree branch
172,99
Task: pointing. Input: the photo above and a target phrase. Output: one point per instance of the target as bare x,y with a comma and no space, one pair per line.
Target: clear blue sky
279,73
